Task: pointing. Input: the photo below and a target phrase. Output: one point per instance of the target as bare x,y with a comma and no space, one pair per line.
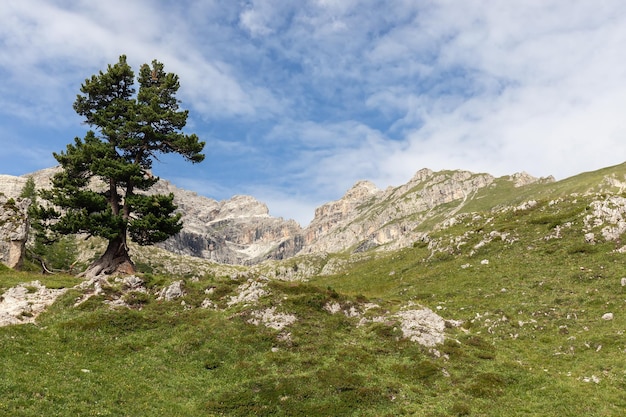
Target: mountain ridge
240,230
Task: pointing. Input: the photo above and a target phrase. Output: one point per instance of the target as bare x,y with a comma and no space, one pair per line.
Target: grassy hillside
530,285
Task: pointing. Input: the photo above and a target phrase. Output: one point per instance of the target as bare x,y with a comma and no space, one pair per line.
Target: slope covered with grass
531,294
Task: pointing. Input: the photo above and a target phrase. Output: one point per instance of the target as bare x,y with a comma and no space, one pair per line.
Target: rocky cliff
13,230
367,217
235,231
241,231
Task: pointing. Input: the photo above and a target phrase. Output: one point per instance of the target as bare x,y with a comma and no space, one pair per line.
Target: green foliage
136,298
29,190
131,130
533,340
154,222
59,255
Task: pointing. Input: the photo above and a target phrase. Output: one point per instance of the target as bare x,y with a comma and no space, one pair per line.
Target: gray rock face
241,231
12,186
13,230
367,217
174,291
235,231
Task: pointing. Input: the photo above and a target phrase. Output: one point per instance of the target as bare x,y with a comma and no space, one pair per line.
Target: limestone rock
422,326
366,217
249,292
12,186
270,318
611,213
173,291
241,231
521,179
607,316
24,302
13,230
235,231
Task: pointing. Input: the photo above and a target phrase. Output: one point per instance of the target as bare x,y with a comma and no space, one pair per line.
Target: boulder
175,290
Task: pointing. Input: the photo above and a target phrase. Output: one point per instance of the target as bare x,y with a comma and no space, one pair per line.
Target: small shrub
386,330
91,304
460,409
487,385
442,257
136,298
31,289
332,293
483,349
144,268
583,248
427,369
420,244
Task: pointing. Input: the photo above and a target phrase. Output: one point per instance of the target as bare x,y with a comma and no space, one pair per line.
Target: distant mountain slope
366,217
241,231
235,231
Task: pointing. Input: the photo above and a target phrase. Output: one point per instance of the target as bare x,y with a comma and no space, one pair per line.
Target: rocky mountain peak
361,189
520,179
366,217
240,230
421,175
241,206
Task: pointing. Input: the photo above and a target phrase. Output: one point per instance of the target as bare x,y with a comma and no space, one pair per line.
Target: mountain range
455,294
240,230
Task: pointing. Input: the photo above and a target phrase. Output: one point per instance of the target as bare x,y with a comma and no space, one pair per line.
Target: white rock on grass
24,302
133,283
249,292
206,303
592,378
332,308
607,316
173,291
422,326
270,318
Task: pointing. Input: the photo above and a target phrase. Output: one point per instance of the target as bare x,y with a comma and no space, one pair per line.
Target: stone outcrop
235,231
24,302
13,230
241,231
173,291
12,186
521,179
367,217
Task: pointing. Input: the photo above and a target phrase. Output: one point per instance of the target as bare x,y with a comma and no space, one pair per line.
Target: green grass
532,343
10,278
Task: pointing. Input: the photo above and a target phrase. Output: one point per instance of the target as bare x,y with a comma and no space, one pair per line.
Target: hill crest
240,230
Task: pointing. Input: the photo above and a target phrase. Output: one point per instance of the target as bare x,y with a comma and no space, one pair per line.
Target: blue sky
297,100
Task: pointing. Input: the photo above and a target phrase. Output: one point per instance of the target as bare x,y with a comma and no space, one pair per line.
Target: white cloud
47,43
333,91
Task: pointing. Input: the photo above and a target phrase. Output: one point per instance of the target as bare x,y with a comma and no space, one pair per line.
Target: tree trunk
114,260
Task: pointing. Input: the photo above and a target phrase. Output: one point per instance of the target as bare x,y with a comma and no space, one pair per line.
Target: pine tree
29,190
101,190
